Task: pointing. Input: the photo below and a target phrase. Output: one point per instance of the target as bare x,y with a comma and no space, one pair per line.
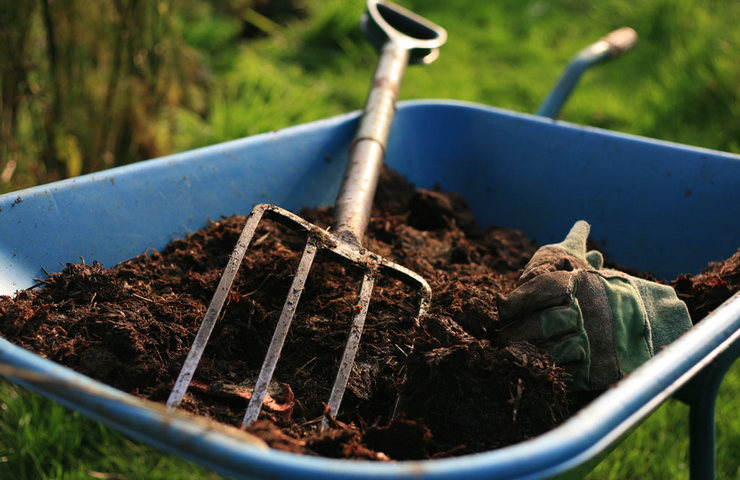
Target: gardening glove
599,324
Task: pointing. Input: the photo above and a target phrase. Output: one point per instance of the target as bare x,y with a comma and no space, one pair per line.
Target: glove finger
573,349
573,354
526,329
575,241
595,259
544,291
544,328
569,254
550,259
560,321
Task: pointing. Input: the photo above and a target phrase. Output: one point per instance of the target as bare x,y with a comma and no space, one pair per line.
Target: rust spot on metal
387,84
324,240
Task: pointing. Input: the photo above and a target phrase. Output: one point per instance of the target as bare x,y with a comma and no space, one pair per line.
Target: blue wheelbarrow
487,153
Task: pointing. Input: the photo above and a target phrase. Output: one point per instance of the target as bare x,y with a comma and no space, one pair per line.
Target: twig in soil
515,400
451,452
302,367
159,355
313,421
142,298
259,287
261,239
38,283
299,404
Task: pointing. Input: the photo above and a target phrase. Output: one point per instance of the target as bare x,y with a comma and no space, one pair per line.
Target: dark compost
131,326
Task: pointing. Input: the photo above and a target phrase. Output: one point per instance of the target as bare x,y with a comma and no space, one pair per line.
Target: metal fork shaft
280,333
350,348
355,198
213,312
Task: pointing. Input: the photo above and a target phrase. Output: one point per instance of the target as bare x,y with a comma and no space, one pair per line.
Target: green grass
659,447
681,83
40,439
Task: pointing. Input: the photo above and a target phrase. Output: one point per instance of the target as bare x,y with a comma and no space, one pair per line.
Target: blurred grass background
91,85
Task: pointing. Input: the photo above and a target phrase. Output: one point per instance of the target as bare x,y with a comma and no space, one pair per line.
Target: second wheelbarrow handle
609,46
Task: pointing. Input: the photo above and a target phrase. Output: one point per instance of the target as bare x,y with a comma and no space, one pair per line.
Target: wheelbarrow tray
653,205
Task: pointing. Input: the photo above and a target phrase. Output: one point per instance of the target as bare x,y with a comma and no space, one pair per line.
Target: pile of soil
132,325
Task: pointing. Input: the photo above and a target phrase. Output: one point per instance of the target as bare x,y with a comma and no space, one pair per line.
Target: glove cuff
662,304
666,315
598,323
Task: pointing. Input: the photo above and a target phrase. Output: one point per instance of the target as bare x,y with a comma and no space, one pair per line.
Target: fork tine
281,331
350,349
214,308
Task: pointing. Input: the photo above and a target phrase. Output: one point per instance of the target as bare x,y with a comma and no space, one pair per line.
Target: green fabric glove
600,324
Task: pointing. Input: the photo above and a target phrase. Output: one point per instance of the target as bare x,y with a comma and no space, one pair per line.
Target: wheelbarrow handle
607,47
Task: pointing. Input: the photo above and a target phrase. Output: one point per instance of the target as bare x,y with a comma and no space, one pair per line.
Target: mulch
455,389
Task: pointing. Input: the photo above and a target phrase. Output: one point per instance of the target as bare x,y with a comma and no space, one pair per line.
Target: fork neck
355,198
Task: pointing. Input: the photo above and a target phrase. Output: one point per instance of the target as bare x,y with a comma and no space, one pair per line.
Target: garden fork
403,38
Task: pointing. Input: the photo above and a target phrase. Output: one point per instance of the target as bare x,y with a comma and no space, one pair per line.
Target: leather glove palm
600,324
